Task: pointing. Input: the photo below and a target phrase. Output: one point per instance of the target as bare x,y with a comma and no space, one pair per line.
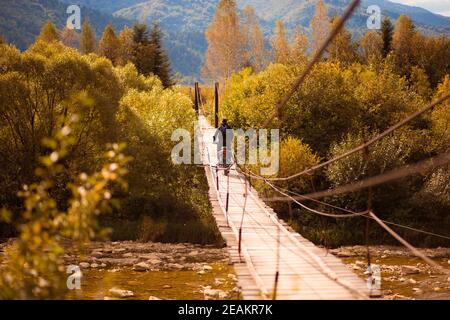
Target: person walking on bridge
224,140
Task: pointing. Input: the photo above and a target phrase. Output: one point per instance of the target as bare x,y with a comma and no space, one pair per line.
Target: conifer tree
87,38
109,45
143,51
298,50
161,62
253,41
70,38
320,25
225,53
386,34
48,33
342,48
126,50
402,40
371,46
280,44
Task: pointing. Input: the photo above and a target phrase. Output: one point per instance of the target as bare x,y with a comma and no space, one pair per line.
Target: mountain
299,13
185,21
21,20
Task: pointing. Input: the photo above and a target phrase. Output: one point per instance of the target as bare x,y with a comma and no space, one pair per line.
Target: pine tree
280,44
161,62
48,33
253,41
225,48
299,48
126,50
386,34
320,25
402,40
371,46
143,51
87,38
70,38
109,45
342,48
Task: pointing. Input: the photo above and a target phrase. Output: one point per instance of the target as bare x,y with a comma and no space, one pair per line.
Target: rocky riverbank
132,270
403,276
163,271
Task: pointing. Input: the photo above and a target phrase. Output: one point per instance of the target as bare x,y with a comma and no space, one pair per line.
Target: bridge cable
366,144
408,245
314,259
316,58
350,211
370,214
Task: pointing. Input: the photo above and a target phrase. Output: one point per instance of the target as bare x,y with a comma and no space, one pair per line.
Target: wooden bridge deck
305,271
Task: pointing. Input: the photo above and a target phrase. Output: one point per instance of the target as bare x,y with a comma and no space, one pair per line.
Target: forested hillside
185,22
21,20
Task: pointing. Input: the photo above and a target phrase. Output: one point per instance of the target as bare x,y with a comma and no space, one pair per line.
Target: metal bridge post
196,98
217,177
228,193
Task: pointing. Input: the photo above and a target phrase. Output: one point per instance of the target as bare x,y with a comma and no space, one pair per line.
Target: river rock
154,261
121,293
412,281
211,294
94,265
148,256
193,253
141,266
207,268
97,254
119,250
167,286
84,265
127,255
417,291
411,270
153,298
175,266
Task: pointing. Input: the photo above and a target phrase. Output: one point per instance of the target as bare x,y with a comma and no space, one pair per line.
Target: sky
437,6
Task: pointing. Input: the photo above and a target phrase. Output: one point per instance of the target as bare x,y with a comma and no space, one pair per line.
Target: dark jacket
221,134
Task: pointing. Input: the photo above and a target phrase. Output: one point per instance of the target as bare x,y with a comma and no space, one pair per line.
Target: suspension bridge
271,260
270,251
